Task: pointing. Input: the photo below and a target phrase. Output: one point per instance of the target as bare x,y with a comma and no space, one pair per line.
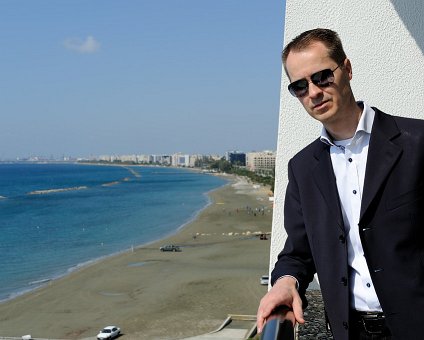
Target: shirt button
350,160
354,192
368,285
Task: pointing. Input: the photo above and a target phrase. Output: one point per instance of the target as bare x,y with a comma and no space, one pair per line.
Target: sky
96,77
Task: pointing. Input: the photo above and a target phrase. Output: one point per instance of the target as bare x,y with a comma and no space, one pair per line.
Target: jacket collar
382,156
326,181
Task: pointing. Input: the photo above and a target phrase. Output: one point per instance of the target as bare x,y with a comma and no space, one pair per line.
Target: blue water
46,235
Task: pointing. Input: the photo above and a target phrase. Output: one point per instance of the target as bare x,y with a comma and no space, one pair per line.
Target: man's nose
314,90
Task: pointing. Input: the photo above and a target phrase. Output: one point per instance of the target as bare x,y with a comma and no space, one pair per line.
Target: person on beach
354,206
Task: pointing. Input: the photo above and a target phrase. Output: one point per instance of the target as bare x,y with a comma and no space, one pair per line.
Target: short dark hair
326,36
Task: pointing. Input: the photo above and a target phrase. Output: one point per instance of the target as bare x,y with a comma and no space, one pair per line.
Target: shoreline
33,286
143,289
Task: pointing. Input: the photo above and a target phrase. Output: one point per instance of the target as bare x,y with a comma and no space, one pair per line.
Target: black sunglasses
321,78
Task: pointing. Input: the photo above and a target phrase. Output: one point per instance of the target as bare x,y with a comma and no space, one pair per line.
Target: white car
108,332
264,280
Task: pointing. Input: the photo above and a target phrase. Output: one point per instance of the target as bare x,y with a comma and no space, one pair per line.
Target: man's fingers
264,311
297,310
259,324
260,320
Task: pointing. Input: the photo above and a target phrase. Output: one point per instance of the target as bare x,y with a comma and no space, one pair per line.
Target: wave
50,191
34,286
38,282
135,173
110,184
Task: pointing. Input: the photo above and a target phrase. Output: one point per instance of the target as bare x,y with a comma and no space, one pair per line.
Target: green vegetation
263,177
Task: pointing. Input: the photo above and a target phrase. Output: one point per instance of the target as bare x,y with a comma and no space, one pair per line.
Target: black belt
371,322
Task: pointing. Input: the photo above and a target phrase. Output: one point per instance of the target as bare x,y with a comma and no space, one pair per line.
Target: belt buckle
373,324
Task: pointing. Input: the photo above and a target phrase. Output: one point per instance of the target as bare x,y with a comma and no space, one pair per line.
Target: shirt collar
364,125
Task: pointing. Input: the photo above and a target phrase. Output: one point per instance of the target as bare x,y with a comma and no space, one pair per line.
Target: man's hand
283,292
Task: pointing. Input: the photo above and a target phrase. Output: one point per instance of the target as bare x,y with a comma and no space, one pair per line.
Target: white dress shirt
349,159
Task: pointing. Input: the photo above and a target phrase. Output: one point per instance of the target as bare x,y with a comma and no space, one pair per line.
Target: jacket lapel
382,156
326,182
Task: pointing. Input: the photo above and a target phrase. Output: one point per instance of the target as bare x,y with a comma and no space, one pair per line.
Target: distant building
144,159
128,158
196,159
105,158
236,158
214,157
262,162
179,159
161,159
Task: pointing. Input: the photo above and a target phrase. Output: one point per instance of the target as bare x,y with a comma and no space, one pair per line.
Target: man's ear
348,67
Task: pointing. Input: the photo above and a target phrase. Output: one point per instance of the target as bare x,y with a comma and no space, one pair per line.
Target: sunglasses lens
323,78
299,87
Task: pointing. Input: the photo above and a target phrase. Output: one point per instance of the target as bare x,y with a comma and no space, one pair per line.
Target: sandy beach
161,295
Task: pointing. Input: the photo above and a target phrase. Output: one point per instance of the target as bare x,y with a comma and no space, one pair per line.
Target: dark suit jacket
391,226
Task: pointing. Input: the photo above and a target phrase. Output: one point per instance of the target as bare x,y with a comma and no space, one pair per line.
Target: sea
56,218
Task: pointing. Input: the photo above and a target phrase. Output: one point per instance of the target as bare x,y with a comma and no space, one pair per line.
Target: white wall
384,41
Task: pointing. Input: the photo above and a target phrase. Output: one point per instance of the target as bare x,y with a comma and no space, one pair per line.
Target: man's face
326,104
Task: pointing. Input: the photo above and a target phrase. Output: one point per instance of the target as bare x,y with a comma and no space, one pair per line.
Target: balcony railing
280,325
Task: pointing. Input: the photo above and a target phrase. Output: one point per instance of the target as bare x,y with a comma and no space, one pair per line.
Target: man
354,207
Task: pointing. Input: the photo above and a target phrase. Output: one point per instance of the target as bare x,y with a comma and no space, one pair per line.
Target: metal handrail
280,325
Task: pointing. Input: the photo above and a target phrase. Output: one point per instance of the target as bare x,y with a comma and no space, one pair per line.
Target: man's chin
321,115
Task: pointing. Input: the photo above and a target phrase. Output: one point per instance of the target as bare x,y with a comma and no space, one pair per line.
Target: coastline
159,295
16,280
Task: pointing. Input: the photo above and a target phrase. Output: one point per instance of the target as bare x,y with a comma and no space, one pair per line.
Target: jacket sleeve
296,258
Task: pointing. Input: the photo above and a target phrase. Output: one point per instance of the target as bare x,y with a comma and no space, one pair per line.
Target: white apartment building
109,158
179,159
128,158
161,159
260,161
144,159
193,159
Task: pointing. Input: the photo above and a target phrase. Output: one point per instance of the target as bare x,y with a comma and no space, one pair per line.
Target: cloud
89,45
